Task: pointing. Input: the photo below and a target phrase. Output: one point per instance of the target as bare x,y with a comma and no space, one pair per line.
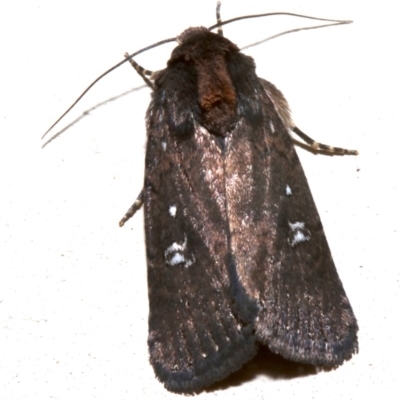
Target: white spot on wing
296,225
272,127
288,191
299,237
176,247
164,145
177,254
177,258
172,211
299,233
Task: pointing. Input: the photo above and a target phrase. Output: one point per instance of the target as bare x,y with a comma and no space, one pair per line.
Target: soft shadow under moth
236,253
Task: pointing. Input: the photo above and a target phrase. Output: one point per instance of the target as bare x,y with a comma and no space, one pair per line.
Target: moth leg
218,11
141,71
133,208
282,108
319,146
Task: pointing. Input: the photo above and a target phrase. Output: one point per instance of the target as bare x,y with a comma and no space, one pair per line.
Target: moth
236,253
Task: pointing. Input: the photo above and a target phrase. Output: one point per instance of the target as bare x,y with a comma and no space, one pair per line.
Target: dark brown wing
197,332
235,246
282,256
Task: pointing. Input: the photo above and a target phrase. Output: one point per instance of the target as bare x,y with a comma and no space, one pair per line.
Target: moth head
198,44
195,44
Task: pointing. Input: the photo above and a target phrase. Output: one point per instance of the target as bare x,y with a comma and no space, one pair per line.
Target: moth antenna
293,31
220,23
324,147
88,111
141,71
103,75
218,11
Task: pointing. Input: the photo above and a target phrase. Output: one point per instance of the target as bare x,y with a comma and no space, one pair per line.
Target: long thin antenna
219,24
218,12
307,28
103,75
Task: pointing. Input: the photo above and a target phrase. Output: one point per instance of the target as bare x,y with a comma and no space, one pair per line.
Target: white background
73,291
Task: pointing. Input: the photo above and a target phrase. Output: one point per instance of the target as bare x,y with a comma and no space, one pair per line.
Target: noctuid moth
236,252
